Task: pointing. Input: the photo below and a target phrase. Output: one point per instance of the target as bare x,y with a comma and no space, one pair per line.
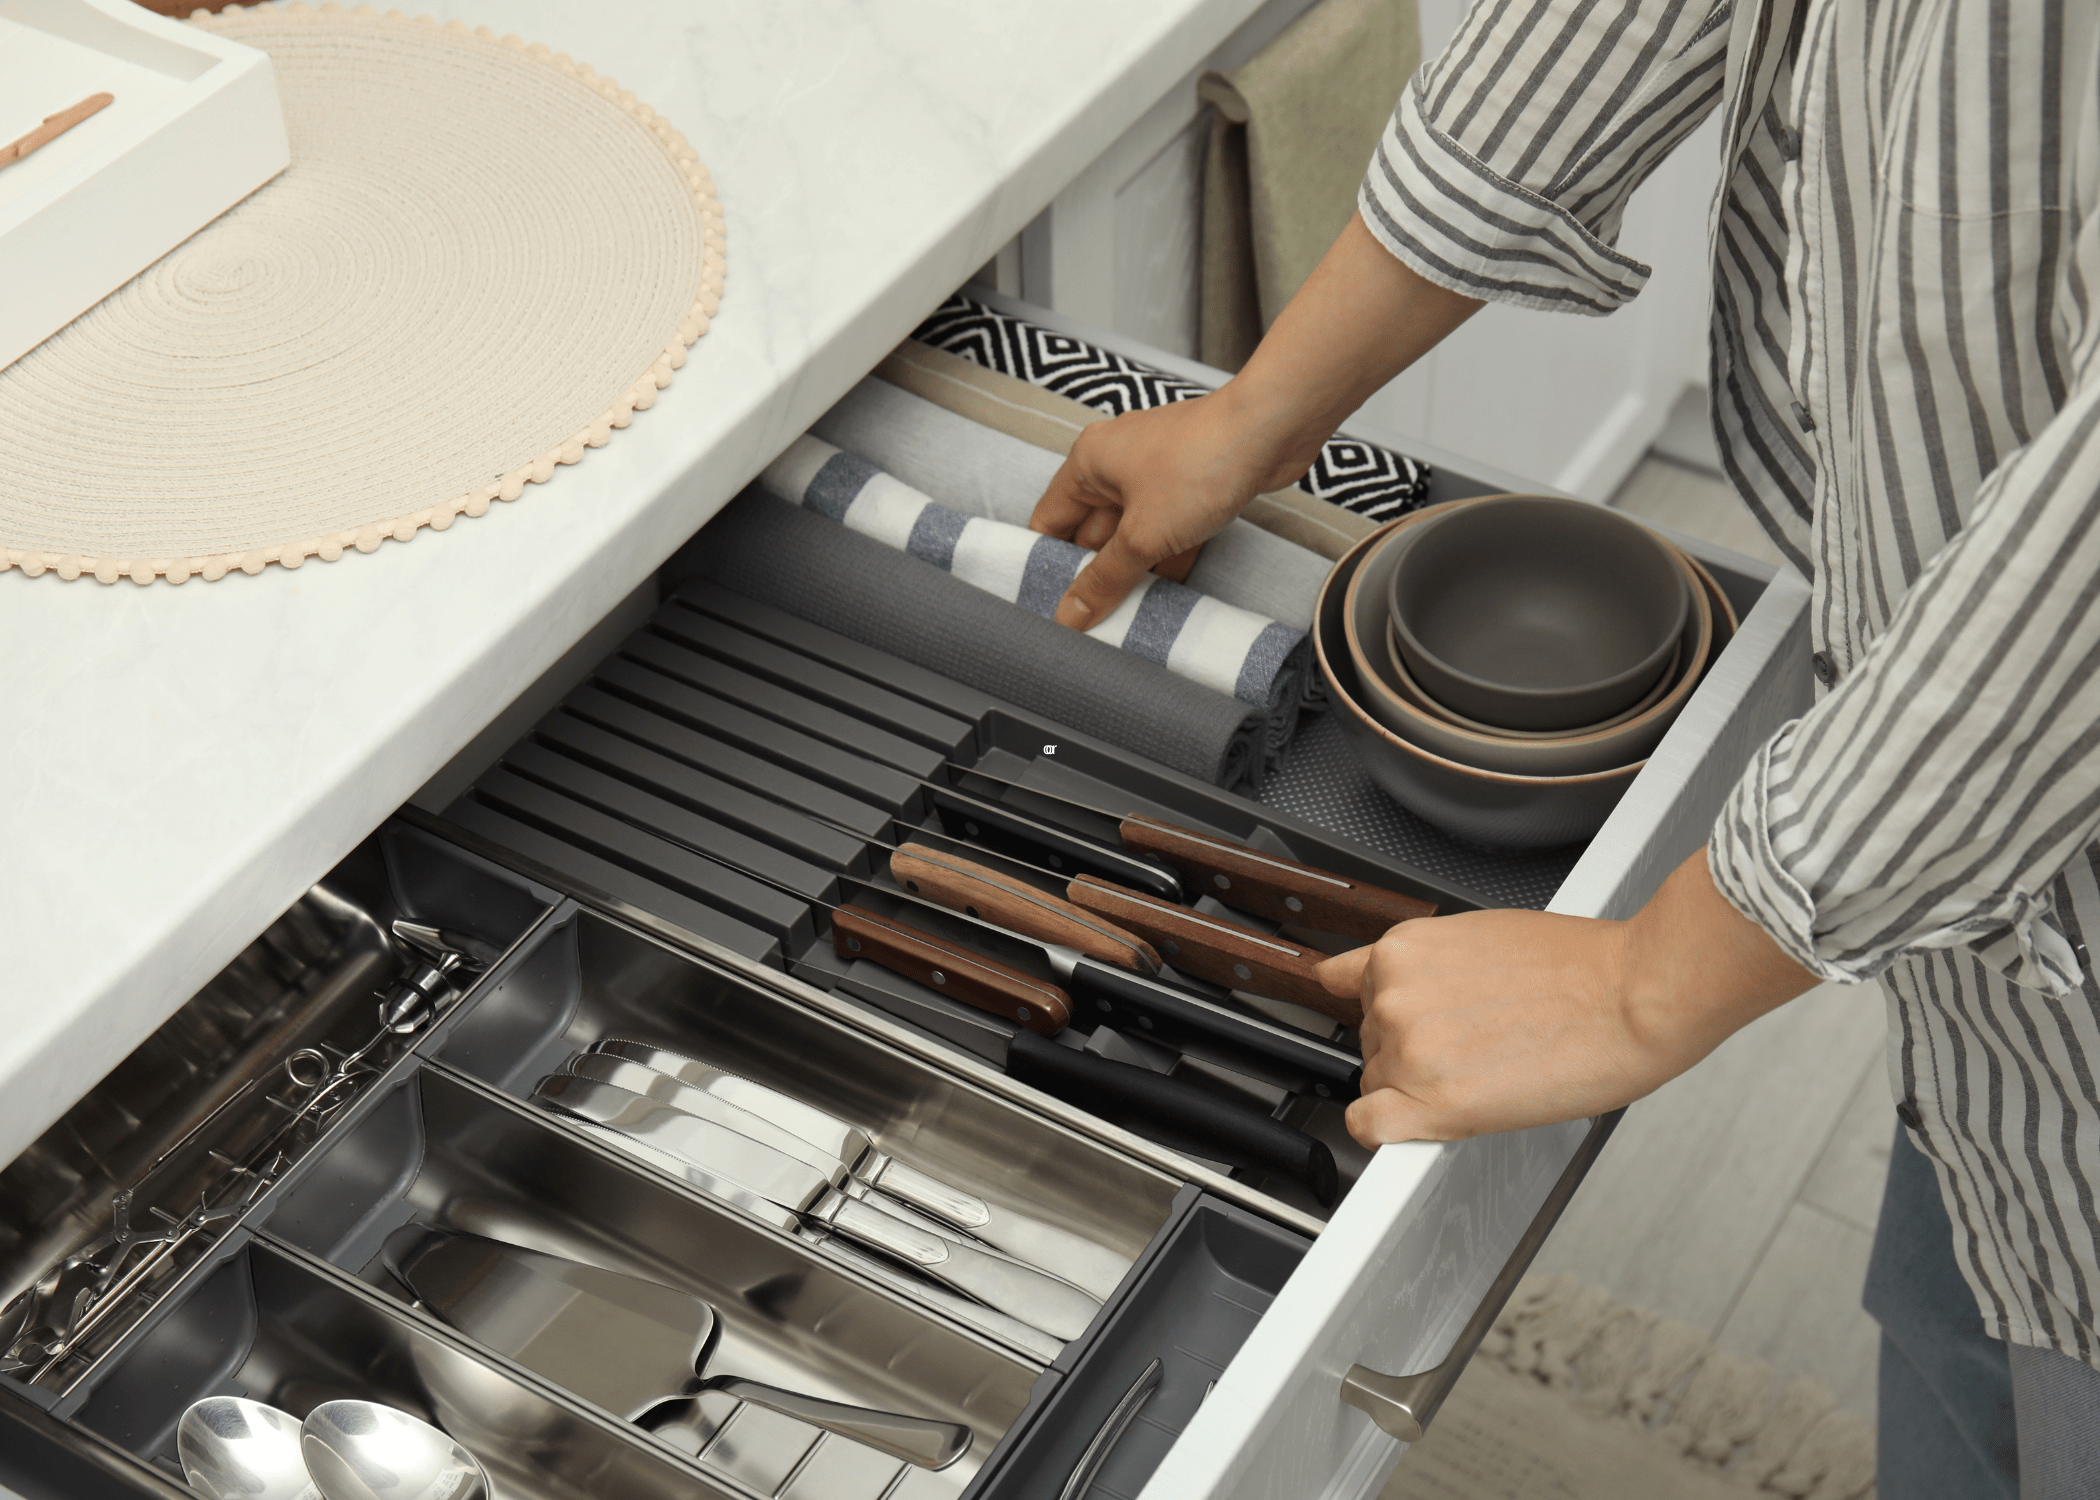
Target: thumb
1384,1116
1102,585
1343,974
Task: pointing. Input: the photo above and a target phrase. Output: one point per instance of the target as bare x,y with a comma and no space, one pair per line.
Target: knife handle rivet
1322,1090
912,886
1243,971
1170,947
1146,1022
970,911
1057,861
1103,1005
1222,882
853,943
1294,903
938,977
971,829
1021,1013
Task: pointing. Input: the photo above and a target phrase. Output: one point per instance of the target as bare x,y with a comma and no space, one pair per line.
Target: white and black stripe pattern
1227,649
1904,387
1360,477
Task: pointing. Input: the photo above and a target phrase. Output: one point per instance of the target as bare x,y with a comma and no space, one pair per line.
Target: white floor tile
1702,1173
1800,1312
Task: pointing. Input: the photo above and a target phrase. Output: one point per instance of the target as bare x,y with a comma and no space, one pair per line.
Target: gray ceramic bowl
1484,807
1534,612
1398,704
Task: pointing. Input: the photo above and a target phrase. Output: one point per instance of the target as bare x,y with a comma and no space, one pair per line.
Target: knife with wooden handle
982,982
978,891
1221,952
1280,889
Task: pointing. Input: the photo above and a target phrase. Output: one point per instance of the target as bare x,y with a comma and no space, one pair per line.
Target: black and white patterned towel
1360,477
1227,649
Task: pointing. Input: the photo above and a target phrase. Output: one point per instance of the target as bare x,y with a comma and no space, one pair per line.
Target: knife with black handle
1173,1110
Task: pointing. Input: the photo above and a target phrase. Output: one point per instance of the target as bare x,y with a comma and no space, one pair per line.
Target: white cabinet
1572,401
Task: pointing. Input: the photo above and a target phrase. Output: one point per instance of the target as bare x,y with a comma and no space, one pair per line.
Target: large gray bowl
1534,612
1386,693
1484,807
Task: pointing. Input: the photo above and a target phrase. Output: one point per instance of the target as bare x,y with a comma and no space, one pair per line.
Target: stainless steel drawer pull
1402,1405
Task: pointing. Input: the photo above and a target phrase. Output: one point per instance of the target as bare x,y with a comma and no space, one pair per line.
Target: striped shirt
1905,250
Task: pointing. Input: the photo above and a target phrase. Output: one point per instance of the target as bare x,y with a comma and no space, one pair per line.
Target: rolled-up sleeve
1506,168
1932,798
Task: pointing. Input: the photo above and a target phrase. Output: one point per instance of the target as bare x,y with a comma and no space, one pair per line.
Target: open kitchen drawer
569,877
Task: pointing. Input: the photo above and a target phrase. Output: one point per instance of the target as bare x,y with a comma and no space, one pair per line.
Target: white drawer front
1414,1248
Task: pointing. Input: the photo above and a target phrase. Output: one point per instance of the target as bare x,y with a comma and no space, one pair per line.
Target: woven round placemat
482,260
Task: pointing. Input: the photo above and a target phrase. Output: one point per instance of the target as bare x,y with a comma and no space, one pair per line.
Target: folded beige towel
1050,421
1293,129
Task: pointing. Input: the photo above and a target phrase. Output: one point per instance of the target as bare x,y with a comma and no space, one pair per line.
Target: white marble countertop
180,763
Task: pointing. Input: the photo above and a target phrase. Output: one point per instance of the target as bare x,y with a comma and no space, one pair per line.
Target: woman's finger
1066,505
1102,585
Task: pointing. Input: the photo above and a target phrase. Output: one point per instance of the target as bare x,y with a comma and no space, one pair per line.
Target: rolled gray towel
801,562
972,468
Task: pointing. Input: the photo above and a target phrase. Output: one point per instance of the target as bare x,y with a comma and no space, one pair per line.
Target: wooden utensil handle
969,887
1218,951
983,982
53,127
1282,890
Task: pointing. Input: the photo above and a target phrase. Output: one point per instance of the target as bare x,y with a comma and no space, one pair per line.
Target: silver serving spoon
242,1450
358,1450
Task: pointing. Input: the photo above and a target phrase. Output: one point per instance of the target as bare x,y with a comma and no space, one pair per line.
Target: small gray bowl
1536,613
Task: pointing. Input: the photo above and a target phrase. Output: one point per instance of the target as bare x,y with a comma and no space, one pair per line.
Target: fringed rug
1576,1397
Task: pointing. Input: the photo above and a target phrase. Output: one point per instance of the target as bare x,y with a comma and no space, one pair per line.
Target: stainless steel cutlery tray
289,1301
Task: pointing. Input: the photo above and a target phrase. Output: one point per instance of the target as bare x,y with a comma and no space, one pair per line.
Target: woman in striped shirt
1906,248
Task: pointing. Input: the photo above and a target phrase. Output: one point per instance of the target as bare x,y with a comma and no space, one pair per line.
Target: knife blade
1092,1267
1106,994
1219,951
1267,885
978,892
1034,1296
1172,1109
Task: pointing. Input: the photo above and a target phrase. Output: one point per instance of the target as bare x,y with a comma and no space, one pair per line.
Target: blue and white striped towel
1232,650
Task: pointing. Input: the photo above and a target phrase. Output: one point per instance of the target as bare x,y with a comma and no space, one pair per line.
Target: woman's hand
1144,490
1497,1020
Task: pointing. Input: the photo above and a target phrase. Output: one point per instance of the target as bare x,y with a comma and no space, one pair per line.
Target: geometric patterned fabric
1361,477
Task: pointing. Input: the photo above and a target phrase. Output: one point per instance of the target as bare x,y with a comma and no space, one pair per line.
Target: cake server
790,1125
813,1196
632,1346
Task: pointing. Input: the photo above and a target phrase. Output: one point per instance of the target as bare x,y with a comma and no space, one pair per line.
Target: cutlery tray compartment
443,1152
279,1328
209,1093
585,977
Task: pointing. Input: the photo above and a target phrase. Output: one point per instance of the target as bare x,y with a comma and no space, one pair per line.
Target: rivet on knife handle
966,887
1280,889
974,980
1218,951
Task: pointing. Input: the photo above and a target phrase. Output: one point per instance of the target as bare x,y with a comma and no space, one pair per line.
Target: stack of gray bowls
1504,665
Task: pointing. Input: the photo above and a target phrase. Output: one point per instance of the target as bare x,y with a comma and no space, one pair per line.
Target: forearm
1361,318
1499,1020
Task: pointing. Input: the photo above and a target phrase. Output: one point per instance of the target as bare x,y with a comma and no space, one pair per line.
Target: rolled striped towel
1234,651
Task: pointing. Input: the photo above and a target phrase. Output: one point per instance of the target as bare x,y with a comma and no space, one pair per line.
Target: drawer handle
1402,1405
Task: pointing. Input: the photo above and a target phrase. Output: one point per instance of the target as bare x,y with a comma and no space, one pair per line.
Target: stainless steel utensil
1035,1297
360,1450
632,1346
233,1449
688,1081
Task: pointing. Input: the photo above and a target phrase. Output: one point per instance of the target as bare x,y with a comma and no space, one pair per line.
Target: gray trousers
1963,1416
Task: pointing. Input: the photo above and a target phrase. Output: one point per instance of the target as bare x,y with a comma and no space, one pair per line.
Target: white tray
195,127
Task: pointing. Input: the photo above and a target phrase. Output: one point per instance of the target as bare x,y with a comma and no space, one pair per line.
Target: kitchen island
181,763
